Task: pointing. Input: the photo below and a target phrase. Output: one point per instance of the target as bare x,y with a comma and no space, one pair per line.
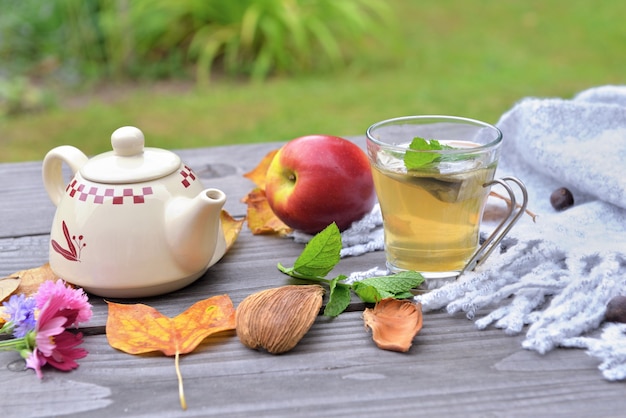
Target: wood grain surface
453,369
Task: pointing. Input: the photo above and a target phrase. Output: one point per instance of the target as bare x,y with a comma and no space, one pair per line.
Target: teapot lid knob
130,161
127,141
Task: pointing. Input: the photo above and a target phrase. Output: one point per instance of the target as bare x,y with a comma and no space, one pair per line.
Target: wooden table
452,369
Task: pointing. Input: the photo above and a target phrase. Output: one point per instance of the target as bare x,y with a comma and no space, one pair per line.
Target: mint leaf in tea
415,160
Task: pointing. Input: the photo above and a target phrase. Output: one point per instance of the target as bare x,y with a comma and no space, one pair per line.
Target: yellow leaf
232,228
261,218
257,175
138,328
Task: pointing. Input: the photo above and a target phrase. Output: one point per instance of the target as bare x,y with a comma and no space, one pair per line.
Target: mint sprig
415,160
322,254
397,286
319,257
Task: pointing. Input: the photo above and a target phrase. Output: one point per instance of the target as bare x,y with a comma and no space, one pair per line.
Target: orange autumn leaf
257,175
232,228
138,328
261,218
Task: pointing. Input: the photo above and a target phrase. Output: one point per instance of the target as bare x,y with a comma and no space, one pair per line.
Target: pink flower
70,298
60,307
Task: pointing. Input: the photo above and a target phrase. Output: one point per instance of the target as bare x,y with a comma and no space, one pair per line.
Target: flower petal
36,361
65,354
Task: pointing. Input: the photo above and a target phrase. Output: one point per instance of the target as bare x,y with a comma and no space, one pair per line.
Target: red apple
316,180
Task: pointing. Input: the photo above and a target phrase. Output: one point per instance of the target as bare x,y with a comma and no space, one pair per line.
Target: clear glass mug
432,200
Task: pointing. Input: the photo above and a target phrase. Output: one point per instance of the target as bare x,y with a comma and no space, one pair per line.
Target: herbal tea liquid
431,219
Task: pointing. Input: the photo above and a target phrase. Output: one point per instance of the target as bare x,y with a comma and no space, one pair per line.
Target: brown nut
616,309
561,198
394,323
277,319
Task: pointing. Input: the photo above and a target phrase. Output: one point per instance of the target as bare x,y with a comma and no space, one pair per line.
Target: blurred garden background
196,73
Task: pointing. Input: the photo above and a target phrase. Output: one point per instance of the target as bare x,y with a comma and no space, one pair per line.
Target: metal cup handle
515,212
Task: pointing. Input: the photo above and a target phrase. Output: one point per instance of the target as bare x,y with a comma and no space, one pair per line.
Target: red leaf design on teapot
74,245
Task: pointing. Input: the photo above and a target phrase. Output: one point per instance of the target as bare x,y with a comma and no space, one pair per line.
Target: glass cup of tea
433,175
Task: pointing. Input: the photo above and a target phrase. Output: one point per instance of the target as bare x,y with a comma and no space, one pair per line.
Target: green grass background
461,57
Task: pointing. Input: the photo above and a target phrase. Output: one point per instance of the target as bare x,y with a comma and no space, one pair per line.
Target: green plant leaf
396,283
397,286
415,160
327,41
322,254
367,293
339,297
319,256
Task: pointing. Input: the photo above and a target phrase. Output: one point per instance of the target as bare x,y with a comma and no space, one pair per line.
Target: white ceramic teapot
133,222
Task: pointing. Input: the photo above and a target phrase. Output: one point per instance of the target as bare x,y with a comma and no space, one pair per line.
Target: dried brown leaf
232,228
261,218
8,286
394,323
30,279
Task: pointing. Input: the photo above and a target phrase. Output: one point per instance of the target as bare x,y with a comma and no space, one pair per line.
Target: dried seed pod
561,198
394,323
616,310
277,319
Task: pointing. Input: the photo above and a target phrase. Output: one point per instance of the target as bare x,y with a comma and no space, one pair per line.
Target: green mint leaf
396,283
319,256
415,160
368,293
322,254
339,297
289,271
396,286
405,295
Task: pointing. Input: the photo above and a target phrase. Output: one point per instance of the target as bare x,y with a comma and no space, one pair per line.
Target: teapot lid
130,162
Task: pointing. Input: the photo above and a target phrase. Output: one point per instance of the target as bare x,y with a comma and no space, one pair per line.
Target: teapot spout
193,229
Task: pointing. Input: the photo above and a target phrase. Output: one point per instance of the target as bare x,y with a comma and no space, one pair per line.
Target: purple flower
20,312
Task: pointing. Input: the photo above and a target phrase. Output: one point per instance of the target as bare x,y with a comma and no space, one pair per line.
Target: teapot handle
52,169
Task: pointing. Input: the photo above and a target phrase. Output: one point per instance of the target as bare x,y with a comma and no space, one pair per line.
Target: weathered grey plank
22,253
452,370
25,208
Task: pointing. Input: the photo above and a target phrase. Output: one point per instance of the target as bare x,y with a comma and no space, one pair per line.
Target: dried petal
277,319
394,323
